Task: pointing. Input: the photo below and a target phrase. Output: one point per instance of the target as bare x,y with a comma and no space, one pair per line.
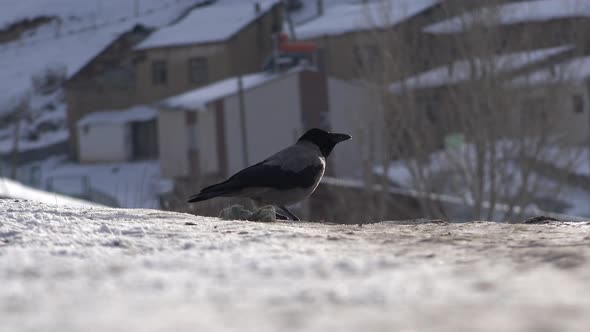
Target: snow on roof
197,99
208,24
339,19
574,69
460,71
133,114
13,189
538,10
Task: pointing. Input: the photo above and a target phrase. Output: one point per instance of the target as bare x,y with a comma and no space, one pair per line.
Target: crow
287,177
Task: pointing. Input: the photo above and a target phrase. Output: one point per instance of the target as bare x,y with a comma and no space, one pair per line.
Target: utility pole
21,111
290,25
136,8
320,7
242,106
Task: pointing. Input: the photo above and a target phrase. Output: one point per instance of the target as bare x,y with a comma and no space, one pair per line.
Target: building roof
199,98
213,23
133,114
343,18
526,11
575,69
460,71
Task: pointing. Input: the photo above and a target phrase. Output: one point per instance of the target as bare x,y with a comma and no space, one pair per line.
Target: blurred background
459,109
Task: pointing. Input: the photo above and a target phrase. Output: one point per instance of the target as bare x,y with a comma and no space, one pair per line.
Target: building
512,26
106,82
347,35
204,133
142,66
118,136
541,85
353,38
209,44
560,93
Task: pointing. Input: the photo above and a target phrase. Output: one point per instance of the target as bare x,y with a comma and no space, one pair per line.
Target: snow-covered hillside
83,31
13,189
70,269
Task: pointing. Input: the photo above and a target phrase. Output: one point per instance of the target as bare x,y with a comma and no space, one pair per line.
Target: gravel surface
72,269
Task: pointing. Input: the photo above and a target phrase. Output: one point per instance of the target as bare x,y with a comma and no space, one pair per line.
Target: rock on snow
99,269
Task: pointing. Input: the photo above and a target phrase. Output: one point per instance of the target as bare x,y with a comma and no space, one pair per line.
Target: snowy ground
65,269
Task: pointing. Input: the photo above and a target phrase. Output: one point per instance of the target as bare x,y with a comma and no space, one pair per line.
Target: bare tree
466,129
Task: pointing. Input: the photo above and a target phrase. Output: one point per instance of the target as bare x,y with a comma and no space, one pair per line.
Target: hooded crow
287,177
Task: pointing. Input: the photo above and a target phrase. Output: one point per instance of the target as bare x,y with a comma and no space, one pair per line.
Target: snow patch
343,18
576,69
460,71
198,98
208,24
133,114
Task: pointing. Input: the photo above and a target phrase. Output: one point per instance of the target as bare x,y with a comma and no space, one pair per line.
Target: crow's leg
289,213
281,216
258,203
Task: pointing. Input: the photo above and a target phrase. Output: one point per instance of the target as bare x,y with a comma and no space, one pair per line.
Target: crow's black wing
262,175
294,167
274,176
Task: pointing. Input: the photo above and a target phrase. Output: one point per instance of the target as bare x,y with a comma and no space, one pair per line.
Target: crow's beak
337,138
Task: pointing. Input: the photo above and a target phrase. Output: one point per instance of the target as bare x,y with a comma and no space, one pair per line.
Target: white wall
566,125
233,135
575,126
173,141
351,113
207,141
104,143
273,121
273,117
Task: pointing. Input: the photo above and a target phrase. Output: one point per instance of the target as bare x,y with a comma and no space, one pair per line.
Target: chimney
257,8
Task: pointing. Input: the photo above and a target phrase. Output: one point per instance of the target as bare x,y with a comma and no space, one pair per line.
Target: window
578,103
159,72
198,70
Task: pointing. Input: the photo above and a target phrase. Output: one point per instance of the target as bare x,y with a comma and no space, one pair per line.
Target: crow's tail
213,191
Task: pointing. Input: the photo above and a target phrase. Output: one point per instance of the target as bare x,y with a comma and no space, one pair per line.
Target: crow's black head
324,140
